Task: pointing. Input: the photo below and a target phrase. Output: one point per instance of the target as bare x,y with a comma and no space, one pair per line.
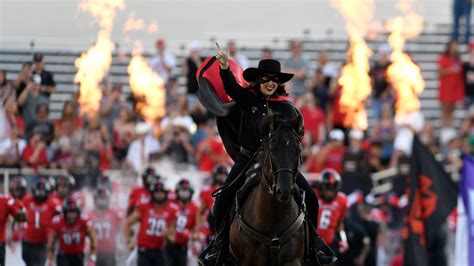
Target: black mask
265,79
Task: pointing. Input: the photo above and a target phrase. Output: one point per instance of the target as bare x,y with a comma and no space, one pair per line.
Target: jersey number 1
37,220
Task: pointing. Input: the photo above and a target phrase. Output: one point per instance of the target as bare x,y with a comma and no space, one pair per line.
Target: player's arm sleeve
52,237
127,225
92,237
16,210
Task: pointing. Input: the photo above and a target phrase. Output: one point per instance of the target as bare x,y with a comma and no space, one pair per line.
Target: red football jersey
106,225
8,206
39,218
185,222
206,196
71,237
331,215
56,196
153,224
138,195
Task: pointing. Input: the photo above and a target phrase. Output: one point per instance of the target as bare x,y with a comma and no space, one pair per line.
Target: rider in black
265,93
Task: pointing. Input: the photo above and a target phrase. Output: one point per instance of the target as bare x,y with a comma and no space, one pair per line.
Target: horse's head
281,153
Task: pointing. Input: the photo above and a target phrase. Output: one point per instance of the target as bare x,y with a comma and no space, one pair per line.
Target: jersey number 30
155,227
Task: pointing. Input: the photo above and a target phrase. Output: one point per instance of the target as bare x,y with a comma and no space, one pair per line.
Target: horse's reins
274,243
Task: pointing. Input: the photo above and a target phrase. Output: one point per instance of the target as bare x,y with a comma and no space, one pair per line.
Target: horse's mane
275,119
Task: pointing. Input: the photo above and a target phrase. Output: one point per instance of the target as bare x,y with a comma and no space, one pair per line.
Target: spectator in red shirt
210,150
313,117
451,82
332,154
34,154
11,113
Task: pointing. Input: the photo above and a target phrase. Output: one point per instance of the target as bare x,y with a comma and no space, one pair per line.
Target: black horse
269,227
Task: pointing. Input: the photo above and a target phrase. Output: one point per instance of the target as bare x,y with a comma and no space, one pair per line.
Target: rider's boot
319,252
217,249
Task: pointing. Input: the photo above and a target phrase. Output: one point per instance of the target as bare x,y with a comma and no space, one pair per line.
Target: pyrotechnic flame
404,75
354,79
137,24
94,64
103,11
147,86
153,27
133,24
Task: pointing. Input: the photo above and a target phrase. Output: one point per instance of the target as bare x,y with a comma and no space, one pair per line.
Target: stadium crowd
173,225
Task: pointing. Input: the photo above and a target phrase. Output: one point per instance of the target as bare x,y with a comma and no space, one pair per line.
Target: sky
57,23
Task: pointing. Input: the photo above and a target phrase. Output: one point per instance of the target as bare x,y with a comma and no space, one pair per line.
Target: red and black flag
432,197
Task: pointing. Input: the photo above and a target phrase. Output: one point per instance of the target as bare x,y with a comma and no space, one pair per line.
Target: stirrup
215,251
319,251
209,256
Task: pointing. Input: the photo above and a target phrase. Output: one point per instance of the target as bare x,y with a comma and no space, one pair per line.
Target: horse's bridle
272,187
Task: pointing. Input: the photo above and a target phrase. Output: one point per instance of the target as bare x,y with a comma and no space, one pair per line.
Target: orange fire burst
147,86
133,24
94,64
404,75
354,78
137,24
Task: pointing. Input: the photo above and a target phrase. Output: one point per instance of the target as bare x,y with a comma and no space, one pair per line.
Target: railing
381,181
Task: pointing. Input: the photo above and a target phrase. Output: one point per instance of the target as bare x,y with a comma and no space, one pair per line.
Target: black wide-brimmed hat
266,66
